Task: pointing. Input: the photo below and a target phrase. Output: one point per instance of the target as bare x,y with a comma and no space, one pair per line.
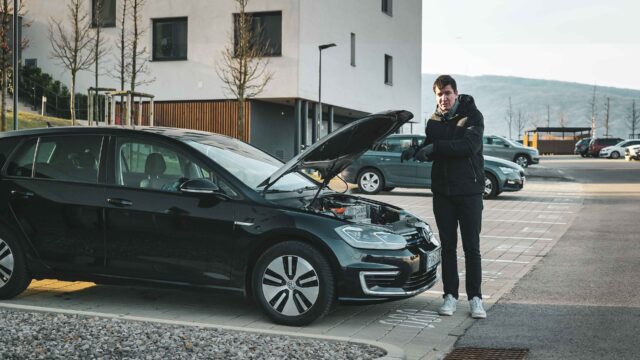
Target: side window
150,165
397,145
487,140
21,164
68,158
498,142
6,147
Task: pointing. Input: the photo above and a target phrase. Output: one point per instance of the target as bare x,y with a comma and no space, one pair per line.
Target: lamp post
319,117
16,48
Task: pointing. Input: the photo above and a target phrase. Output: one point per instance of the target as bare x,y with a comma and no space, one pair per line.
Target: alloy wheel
369,182
488,186
290,285
522,161
6,263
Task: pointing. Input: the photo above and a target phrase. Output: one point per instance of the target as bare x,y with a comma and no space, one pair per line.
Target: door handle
119,202
21,194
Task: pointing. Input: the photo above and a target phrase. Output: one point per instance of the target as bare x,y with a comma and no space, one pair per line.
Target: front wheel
615,155
14,277
522,160
490,186
293,283
370,181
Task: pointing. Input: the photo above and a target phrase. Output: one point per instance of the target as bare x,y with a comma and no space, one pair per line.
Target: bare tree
634,119
99,48
508,118
139,65
548,115
563,119
6,54
606,116
521,122
72,49
594,108
244,67
121,68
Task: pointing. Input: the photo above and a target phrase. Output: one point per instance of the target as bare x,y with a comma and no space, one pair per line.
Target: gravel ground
32,335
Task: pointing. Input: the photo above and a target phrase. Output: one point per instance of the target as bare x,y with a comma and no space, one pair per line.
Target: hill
530,96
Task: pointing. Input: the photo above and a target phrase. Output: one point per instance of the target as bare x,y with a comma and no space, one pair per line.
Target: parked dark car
582,147
381,169
597,144
183,207
504,148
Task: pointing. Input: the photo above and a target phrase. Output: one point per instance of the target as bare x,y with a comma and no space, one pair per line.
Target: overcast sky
585,41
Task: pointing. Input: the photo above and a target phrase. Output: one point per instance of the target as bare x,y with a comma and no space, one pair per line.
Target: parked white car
617,150
632,153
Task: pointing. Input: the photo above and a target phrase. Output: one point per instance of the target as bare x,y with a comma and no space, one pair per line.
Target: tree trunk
3,106
72,102
241,118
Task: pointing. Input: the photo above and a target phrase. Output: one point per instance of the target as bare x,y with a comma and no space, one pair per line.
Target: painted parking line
461,295
516,221
499,260
527,210
510,237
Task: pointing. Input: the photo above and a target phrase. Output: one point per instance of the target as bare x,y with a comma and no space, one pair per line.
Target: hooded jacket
458,164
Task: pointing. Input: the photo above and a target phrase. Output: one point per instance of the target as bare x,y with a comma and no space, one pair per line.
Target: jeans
466,211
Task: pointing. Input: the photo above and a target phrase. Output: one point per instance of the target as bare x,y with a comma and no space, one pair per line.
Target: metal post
16,47
112,120
297,126
139,111
314,128
318,117
330,125
44,105
151,113
305,120
129,109
90,112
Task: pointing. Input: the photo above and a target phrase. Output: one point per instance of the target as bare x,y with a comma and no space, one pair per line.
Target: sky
584,41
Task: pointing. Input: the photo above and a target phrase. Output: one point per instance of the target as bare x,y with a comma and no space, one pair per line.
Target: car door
155,231
387,157
58,201
423,169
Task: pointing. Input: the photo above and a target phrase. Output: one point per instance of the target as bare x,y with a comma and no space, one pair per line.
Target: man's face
445,98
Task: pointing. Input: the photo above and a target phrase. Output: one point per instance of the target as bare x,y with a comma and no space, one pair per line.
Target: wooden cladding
216,116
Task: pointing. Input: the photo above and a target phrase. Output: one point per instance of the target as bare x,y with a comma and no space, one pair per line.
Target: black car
182,207
582,147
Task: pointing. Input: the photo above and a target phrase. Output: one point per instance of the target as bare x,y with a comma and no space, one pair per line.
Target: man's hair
442,81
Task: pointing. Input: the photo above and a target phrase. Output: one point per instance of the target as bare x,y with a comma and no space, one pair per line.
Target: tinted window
170,39
69,158
21,163
388,69
150,165
395,145
266,32
6,147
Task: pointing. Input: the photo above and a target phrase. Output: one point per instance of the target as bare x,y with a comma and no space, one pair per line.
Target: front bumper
514,182
535,159
390,275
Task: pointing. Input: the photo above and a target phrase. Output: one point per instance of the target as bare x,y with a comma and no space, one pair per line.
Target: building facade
375,65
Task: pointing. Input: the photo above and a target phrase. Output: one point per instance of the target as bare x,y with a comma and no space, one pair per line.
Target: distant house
375,66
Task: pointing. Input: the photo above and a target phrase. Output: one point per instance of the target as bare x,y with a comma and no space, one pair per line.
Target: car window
487,140
395,145
151,165
6,147
68,158
498,141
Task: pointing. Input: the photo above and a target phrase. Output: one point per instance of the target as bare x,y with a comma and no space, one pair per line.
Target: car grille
416,281
416,239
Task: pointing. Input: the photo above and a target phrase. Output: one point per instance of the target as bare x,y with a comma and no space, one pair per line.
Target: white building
374,67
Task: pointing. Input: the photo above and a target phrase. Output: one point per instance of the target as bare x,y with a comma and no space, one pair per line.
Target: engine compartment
359,210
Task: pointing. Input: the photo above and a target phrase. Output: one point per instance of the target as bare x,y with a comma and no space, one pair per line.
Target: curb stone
392,352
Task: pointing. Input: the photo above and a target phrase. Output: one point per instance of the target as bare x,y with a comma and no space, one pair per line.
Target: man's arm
469,144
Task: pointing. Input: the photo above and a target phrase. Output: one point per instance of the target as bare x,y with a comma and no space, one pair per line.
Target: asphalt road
582,300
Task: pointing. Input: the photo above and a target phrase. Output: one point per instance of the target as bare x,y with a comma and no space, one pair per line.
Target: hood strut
325,182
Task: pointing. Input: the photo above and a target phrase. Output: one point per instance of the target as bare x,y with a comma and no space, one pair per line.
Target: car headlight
506,170
430,236
371,237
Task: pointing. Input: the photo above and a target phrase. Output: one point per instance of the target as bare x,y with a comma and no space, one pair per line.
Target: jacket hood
333,153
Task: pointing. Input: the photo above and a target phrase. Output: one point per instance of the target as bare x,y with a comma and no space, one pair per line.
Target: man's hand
424,153
408,154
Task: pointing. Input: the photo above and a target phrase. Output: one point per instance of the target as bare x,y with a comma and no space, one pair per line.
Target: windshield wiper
304,188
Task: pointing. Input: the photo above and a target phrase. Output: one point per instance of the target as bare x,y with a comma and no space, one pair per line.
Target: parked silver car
504,148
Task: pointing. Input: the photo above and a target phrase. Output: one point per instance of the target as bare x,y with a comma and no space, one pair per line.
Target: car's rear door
57,199
153,230
387,157
423,169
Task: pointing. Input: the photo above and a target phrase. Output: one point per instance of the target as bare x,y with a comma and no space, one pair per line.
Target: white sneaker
477,311
449,305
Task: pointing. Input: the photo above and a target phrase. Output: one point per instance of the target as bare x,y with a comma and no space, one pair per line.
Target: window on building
353,49
387,7
266,31
170,39
388,69
105,10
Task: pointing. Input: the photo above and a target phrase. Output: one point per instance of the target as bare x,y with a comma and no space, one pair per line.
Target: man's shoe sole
446,313
478,316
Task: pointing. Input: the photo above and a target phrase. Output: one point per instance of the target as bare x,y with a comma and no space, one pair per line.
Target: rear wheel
490,186
14,278
370,181
293,283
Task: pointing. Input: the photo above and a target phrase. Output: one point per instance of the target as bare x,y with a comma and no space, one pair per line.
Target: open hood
334,152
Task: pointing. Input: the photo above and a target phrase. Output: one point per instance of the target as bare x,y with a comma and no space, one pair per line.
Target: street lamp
319,118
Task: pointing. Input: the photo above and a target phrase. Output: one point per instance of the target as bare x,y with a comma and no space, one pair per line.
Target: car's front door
155,231
423,169
495,146
58,201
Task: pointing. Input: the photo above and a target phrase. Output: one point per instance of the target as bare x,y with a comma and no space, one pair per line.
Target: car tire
614,155
14,276
522,160
389,188
370,181
293,283
490,186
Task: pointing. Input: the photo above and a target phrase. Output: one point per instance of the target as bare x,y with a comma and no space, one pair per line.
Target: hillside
532,97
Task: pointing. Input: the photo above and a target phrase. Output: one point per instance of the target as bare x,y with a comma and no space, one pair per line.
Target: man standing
454,144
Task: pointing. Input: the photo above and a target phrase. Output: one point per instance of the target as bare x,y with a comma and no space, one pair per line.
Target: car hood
333,153
607,148
502,162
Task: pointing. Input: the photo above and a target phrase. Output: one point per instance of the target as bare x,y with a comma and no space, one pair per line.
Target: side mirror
200,186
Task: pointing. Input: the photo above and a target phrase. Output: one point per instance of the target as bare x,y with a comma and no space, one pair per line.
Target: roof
560,129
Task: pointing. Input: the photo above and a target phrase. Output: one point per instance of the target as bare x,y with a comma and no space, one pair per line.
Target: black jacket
458,165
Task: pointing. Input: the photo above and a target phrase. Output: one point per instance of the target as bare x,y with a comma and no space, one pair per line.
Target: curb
392,352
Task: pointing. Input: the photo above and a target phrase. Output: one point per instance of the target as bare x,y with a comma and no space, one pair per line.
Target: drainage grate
470,353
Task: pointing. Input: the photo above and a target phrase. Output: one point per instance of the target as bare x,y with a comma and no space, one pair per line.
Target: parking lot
518,230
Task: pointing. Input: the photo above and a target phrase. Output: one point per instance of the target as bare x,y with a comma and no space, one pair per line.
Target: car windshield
248,164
